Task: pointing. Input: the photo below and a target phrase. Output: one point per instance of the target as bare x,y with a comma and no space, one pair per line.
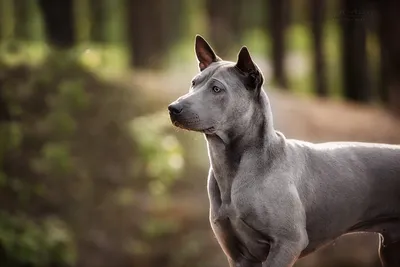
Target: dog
275,200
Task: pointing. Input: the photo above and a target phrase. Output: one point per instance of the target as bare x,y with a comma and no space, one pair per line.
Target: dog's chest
238,238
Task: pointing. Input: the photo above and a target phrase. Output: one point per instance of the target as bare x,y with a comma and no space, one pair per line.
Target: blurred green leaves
76,150
14,136
61,123
55,159
158,228
71,93
161,153
35,155
39,244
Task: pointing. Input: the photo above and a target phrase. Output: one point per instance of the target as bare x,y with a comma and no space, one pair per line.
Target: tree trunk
354,59
237,20
153,28
106,21
318,9
82,15
24,14
4,112
99,20
59,22
389,35
278,21
173,28
217,12
6,20
145,33
225,24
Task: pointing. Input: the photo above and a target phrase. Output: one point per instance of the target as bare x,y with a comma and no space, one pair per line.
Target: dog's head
223,94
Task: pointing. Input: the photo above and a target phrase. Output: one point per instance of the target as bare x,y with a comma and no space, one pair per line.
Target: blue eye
216,89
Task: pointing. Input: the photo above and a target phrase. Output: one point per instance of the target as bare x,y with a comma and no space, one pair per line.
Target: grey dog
275,200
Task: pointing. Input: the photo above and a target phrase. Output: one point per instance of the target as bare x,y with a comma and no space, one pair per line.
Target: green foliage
154,229
159,166
39,142
55,159
14,52
161,154
23,241
75,133
16,135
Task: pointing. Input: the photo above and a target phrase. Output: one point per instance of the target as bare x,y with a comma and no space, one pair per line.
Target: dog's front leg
284,253
245,263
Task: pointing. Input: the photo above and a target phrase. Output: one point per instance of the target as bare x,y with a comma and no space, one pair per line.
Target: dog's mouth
209,130
177,124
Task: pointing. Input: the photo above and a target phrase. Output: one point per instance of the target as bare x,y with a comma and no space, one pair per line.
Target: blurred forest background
92,174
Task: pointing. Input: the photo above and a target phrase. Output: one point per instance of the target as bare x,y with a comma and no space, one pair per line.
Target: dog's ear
245,64
205,54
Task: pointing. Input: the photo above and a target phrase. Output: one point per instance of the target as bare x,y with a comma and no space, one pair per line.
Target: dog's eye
193,83
216,89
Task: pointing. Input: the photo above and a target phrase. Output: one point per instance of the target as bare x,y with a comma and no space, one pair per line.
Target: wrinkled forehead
222,71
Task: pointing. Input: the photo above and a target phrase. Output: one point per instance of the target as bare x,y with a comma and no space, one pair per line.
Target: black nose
175,108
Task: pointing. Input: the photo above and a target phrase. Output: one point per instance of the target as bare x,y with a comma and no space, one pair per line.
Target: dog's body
274,200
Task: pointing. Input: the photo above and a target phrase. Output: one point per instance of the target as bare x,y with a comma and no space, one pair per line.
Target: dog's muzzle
188,122
175,108
175,112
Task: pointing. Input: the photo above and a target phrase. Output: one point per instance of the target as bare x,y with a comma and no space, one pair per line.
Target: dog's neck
226,150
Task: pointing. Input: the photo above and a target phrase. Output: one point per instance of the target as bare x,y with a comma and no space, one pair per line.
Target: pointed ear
244,62
254,77
205,54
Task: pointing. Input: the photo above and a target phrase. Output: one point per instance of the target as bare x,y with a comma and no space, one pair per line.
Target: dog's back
347,187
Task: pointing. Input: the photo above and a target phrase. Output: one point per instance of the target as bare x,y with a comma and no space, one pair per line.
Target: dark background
91,171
